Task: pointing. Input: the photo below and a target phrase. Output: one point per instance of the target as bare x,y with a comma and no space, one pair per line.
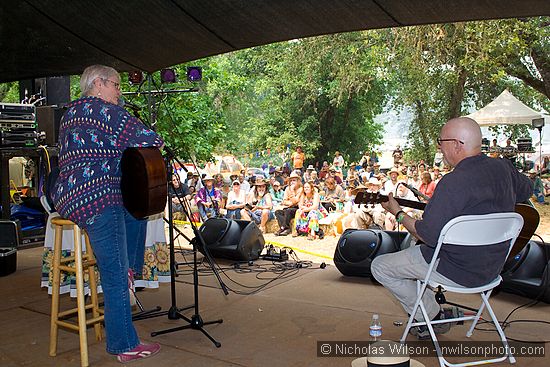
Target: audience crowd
304,198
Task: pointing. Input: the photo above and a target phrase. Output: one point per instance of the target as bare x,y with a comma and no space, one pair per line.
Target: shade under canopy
41,38
505,110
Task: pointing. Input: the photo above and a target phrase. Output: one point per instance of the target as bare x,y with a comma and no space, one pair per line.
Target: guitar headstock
367,197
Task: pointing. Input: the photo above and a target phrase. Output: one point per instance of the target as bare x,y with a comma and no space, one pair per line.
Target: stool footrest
73,326
71,269
73,311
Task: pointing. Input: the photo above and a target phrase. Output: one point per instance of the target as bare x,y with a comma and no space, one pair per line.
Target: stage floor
278,325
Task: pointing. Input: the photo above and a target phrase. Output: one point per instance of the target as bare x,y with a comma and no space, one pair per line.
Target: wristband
399,216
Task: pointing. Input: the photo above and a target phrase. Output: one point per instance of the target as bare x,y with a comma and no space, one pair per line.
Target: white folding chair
469,230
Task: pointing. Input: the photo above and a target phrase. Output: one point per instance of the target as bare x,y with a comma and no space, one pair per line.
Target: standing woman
309,212
94,133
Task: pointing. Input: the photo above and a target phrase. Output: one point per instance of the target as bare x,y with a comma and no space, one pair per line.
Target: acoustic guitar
144,186
531,217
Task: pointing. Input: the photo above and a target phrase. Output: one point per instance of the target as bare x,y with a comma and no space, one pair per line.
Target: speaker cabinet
49,119
356,249
527,273
239,240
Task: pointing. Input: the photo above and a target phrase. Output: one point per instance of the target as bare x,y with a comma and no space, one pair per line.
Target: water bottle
375,329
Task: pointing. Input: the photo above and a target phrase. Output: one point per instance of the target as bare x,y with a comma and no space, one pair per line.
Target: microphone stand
195,322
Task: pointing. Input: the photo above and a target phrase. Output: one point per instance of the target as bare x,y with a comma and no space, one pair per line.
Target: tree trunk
457,95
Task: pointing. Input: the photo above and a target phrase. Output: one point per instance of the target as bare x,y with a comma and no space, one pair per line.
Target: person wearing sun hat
208,198
236,199
391,184
259,205
287,210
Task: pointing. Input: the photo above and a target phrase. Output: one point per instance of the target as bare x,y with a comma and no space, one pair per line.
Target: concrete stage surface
279,325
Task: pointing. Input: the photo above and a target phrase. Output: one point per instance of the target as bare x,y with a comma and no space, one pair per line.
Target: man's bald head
466,130
465,136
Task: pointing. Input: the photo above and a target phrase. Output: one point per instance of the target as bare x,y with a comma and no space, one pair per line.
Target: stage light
538,123
168,75
194,73
135,77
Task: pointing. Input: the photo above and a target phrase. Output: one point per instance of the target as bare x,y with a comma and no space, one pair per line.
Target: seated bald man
477,185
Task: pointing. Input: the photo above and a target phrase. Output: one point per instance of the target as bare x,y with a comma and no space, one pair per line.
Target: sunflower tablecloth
156,267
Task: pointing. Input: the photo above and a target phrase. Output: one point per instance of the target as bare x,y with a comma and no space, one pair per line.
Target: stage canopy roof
57,37
505,110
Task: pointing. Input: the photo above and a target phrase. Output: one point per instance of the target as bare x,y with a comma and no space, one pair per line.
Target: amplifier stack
18,125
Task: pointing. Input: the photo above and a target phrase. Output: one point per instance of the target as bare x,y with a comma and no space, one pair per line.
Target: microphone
416,193
123,103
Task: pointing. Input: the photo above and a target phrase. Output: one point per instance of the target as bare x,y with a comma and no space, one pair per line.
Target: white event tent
505,110
508,110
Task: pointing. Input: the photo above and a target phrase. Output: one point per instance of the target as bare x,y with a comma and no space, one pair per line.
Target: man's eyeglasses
439,141
115,84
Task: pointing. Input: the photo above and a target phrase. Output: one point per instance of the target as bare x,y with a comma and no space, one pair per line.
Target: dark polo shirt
477,185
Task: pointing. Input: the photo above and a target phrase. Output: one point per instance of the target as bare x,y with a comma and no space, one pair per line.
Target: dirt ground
319,251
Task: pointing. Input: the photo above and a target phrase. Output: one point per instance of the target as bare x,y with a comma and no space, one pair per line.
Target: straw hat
388,353
208,177
310,168
294,175
374,181
360,187
260,182
393,169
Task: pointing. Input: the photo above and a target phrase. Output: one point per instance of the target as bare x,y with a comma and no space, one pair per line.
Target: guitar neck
410,203
364,197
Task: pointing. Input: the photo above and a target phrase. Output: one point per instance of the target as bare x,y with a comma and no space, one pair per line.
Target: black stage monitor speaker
527,273
357,248
239,240
49,119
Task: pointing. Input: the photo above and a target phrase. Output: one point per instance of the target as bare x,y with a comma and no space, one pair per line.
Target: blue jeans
233,214
206,212
118,241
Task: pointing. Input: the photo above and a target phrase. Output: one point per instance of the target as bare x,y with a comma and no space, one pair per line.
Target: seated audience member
236,200
277,193
279,176
334,195
427,187
177,192
334,174
307,174
314,178
323,174
390,224
258,205
364,216
391,184
245,185
208,199
309,212
289,205
538,187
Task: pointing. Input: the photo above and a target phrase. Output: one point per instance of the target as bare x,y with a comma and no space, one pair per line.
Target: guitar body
531,219
529,214
144,186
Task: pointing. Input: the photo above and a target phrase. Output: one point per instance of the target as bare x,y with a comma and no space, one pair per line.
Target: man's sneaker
422,333
140,352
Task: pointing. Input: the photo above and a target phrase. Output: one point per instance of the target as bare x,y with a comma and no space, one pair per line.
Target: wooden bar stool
82,263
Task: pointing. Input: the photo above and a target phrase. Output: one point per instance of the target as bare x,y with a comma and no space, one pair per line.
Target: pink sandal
140,352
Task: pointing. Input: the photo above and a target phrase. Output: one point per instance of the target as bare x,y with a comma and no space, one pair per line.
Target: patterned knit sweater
93,135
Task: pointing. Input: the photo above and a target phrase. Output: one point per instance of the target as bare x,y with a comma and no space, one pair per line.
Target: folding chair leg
499,329
420,290
478,316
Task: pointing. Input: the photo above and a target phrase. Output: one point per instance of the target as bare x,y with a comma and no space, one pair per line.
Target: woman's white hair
93,72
